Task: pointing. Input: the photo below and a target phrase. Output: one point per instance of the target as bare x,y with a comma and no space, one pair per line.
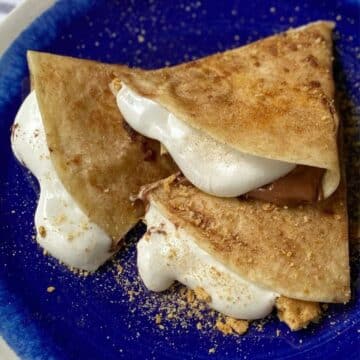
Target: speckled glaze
94,317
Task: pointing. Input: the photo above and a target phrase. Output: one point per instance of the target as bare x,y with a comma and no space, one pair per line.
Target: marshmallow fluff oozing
213,167
62,228
167,253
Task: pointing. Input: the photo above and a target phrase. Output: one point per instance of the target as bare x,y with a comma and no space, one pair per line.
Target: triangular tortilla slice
300,253
100,163
273,98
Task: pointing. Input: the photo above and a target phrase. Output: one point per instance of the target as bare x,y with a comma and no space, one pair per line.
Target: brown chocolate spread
302,185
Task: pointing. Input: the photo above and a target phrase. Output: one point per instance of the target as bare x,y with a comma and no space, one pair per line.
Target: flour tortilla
273,98
100,163
300,253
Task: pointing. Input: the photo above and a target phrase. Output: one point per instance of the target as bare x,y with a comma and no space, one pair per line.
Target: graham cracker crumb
223,327
212,350
239,326
260,326
119,268
176,308
170,315
202,295
297,314
231,326
158,319
190,296
79,272
85,226
267,207
42,231
132,295
50,289
172,305
59,219
115,86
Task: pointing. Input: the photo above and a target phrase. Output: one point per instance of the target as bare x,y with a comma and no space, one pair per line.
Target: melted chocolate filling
302,185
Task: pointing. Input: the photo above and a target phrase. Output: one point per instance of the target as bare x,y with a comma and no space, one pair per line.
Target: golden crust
99,162
300,252
297,314
273,98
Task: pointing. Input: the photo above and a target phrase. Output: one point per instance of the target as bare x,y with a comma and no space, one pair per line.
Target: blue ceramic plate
95,317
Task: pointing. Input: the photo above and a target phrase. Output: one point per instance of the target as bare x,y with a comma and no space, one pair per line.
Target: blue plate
94,317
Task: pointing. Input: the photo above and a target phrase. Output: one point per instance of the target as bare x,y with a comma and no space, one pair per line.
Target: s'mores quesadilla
259,217
258,120
71,136
247,255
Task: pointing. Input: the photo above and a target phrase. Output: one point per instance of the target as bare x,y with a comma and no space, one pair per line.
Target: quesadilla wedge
247,255
257,120
70,134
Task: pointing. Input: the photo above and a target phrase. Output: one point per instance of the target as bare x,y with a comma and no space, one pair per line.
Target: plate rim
0,104
19,19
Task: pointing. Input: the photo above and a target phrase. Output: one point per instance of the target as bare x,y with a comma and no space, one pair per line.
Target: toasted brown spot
315,84
273,50
293,47
312,60
150,155
76,160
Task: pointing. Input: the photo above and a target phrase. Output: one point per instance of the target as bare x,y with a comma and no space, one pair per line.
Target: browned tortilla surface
273,98
100,163
299,252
